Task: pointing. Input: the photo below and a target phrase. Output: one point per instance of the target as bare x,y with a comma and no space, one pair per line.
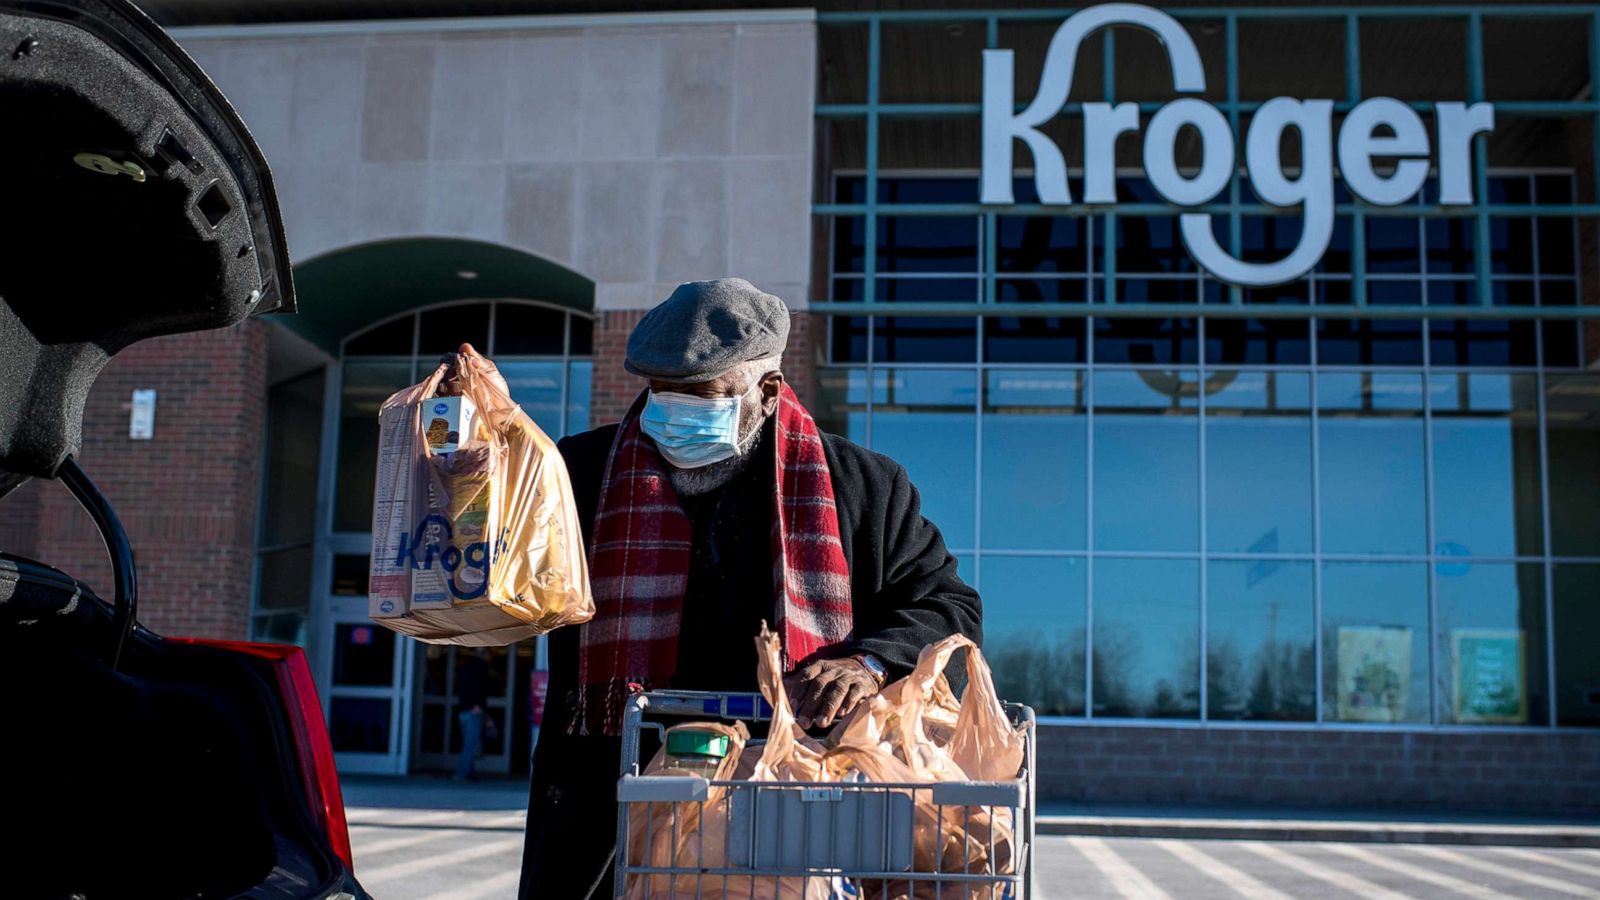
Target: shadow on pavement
434,792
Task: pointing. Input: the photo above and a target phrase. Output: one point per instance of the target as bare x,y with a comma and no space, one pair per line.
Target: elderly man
714,505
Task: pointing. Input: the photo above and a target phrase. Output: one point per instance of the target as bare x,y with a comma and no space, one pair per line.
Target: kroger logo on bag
440,409
464,570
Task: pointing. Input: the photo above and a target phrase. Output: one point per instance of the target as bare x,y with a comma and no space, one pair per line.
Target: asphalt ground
475,854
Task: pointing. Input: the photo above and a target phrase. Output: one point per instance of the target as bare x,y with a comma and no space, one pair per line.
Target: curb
1340,832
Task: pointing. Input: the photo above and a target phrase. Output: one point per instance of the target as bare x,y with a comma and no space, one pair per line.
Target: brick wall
187,498
1555,772
614,388
800,357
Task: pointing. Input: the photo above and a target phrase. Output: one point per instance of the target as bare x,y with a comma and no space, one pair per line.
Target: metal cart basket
812,839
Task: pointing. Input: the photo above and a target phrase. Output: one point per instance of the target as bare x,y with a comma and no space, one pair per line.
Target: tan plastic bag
928,736
700,838
688,834
480,546
919,721
789,754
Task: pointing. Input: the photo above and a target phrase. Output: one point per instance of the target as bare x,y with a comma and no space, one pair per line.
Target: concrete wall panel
666,151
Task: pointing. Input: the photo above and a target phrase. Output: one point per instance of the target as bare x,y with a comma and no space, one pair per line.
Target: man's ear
771,383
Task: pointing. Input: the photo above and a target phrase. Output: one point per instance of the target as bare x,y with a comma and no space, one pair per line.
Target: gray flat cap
705,329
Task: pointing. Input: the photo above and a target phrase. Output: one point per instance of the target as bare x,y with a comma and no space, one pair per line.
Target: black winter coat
905,594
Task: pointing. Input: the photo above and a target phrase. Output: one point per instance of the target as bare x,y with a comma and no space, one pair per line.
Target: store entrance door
507,736
367,670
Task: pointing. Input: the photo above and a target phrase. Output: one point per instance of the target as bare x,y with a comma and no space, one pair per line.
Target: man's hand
827,690
450,385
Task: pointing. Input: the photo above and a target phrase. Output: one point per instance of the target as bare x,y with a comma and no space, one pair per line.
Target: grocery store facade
1263,411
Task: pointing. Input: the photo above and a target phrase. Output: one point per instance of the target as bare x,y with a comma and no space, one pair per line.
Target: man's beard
705,479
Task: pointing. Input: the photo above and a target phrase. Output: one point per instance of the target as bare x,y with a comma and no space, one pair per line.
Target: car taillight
310,734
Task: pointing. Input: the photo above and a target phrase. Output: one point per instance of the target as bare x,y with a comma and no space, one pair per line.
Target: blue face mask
692,431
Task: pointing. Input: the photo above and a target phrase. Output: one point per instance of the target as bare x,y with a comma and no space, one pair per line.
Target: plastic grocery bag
915,730
787,754
919,720
475,535
690,834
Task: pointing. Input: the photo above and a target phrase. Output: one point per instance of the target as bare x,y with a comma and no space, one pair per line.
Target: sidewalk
1381,826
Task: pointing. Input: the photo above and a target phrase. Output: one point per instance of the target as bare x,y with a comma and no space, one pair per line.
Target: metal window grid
1481,212
1102,274
875,375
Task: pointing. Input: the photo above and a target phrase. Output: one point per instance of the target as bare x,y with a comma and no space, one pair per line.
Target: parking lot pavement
444,854
438,854
1085,868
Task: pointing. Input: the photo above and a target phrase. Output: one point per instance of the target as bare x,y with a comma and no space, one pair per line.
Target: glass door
365,673
507,742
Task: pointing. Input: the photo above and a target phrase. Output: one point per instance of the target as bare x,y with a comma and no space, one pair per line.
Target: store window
1370,428
282,607
1261,657
1572,414
1485,446
1490,660
1146,460
1037,648
1577,633
1034,478
1258,462
1146,638
541,350
927,421
1378,522
1375,642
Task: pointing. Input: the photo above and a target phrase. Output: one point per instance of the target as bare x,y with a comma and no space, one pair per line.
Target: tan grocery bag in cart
915,730
700,838
690,833
475,536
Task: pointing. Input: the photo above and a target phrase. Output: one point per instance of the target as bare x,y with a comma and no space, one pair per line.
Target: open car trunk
135,765
139,206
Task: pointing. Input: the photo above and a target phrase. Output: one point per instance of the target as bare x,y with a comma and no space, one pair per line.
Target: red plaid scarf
639,565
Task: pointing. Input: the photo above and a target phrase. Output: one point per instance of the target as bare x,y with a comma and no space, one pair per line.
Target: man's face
750,414
691,482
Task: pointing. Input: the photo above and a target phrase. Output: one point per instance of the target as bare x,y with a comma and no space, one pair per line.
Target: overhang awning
346,290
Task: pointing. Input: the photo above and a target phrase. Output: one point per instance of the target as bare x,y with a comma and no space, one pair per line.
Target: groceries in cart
914,794
475,537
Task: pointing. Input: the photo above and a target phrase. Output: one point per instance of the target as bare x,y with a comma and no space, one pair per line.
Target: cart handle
740,706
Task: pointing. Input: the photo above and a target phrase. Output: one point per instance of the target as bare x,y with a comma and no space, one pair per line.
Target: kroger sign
1377,128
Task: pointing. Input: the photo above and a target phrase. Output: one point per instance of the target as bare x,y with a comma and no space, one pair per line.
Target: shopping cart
856,838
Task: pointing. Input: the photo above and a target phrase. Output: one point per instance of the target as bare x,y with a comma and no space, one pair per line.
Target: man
717,504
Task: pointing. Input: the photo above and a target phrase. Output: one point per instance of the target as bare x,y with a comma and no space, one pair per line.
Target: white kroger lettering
1313,189
1102,125
1359,143
1458,123
1161,151
1001,124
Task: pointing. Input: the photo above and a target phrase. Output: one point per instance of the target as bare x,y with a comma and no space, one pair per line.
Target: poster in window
1374,672
1487,669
